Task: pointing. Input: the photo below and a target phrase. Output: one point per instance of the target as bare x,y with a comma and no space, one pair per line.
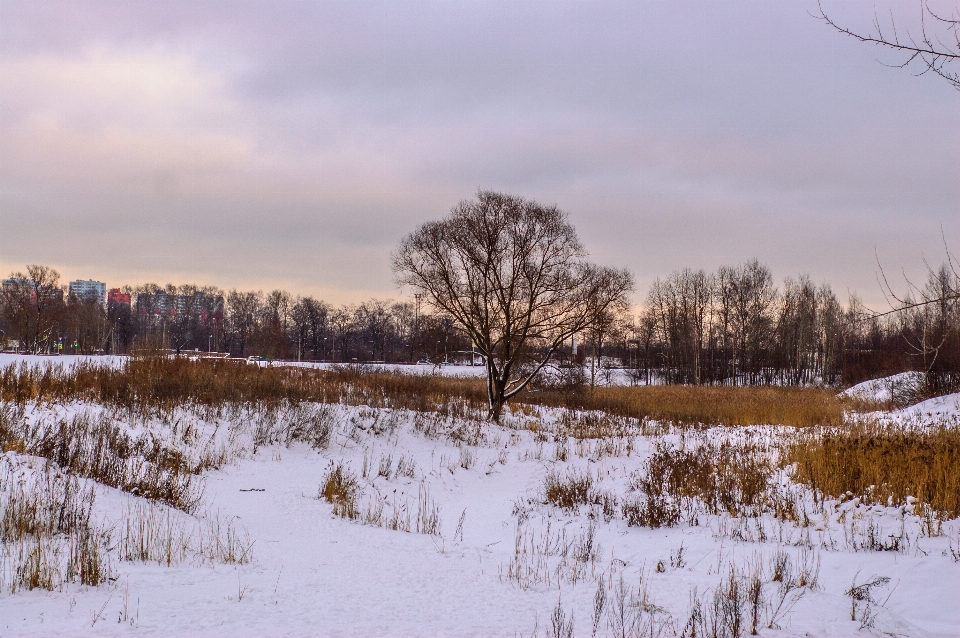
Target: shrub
567,491
720,477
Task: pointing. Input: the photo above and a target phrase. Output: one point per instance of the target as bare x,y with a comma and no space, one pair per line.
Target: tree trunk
496,392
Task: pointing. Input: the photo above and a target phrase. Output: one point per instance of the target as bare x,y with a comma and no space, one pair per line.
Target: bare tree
32,303
275,323
933,47
309,319
513,274
243,308
85,322
929,322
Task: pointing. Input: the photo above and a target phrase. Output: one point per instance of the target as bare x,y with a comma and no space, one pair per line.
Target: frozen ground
501,561
68,360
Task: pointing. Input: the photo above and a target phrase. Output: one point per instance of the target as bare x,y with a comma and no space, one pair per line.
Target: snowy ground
889,388
943,411
67,360
502,561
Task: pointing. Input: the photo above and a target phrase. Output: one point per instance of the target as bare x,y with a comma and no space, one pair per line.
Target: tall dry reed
881,464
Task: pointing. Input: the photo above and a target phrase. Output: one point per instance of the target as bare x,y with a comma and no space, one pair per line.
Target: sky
264,145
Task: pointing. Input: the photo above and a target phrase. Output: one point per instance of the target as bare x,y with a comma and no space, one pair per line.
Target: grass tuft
340,489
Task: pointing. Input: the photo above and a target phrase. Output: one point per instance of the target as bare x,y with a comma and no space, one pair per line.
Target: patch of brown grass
725,477
709,405
878,463
157,385
568,491
340,489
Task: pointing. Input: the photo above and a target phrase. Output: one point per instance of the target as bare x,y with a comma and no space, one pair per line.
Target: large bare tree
514,275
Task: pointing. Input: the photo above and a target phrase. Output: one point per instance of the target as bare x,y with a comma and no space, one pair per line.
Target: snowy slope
886,388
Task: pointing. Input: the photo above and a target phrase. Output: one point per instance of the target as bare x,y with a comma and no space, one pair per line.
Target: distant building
156,306
117,297
89,289
15,283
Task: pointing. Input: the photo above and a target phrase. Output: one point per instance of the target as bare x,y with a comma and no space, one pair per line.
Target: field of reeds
832,455
156,385
880,464
710,405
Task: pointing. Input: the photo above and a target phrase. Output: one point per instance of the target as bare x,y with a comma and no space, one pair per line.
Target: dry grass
747,600
881,465
47,537
156,386
709,405
158,534
704,476
97,446
568,491
340,489
552,557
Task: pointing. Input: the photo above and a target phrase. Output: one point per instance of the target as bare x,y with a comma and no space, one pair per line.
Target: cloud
260,145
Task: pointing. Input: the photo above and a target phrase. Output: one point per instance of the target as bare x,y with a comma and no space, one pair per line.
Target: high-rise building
118,297
89,289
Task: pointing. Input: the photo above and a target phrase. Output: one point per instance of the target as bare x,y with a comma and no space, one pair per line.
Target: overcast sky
270,144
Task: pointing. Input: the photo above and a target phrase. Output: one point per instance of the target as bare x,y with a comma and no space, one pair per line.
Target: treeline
735,326
37,315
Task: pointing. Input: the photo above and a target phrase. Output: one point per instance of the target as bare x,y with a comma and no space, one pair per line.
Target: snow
316,574
402,368
887,388
66,361
944,406
942,411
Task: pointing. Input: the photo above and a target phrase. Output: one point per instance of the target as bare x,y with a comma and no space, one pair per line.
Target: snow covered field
490,550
